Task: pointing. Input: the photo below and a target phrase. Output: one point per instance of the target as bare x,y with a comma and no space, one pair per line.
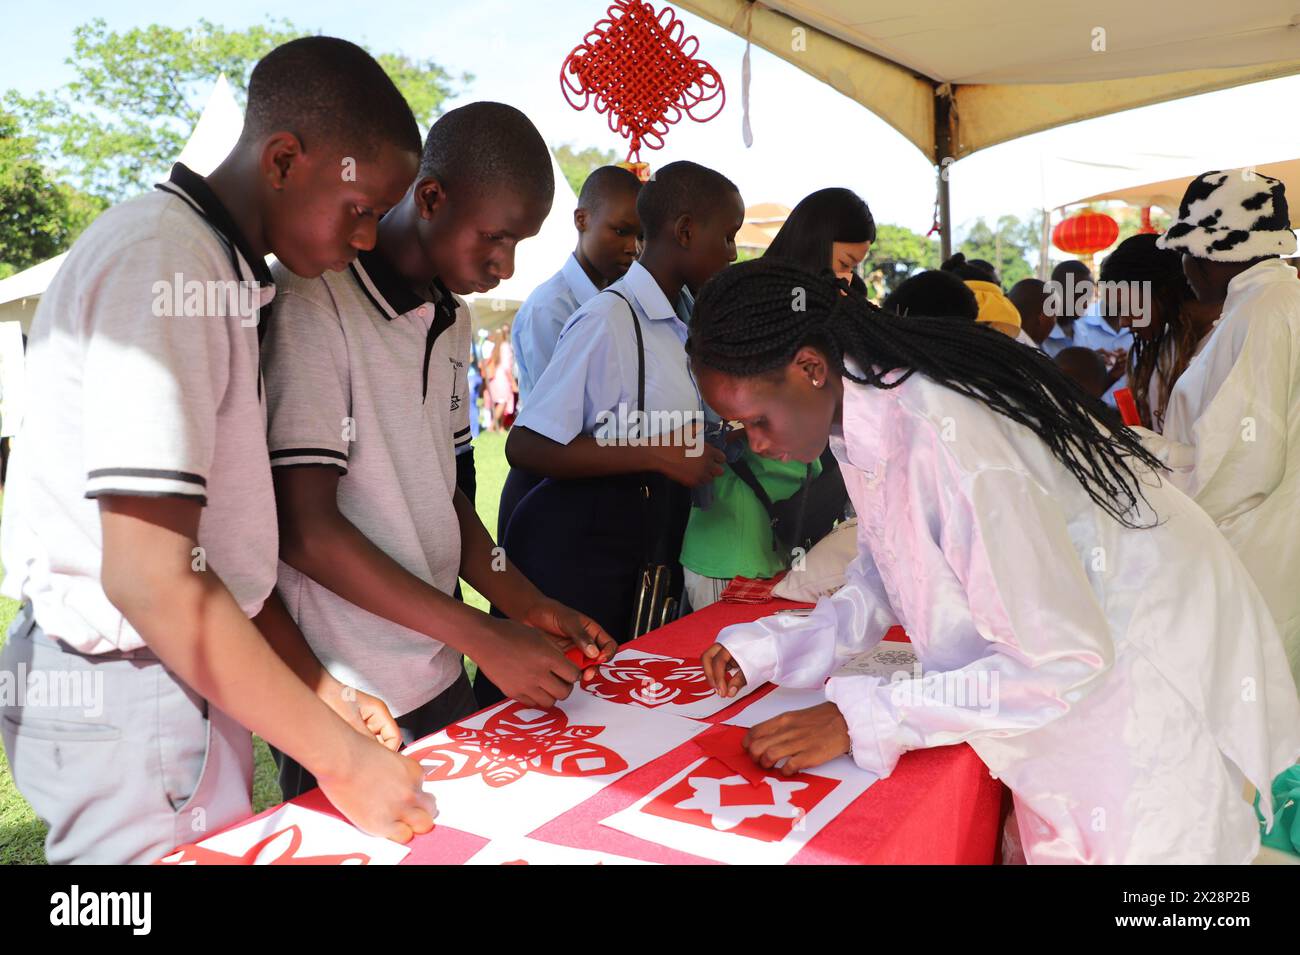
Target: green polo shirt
734,536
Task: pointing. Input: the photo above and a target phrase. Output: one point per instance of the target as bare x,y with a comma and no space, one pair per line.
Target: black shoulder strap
640,352
746,474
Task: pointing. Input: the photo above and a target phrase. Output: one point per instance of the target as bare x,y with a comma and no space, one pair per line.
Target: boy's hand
721,671
379,792
803,738
688,459
524,662
567,628
364,713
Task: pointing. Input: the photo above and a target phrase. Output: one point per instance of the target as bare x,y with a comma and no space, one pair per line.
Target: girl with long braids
1077,620
1170,326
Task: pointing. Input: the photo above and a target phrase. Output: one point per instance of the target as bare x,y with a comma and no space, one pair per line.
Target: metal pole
943,151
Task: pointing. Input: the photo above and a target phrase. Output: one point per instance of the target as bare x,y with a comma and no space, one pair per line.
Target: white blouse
1120,682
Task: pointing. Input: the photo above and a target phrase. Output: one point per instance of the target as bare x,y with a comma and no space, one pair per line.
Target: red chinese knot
641,69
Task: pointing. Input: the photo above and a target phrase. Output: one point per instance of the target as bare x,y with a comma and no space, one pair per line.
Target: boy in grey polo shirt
368,401
139,530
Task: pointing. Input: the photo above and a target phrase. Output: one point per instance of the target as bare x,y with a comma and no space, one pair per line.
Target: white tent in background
214,135
536,259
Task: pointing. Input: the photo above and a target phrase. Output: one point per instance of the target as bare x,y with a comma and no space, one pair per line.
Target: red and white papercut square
291,835
535,852
508,770
673,685
710,810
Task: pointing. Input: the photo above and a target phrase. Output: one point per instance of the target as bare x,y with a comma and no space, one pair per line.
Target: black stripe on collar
392,288
198,190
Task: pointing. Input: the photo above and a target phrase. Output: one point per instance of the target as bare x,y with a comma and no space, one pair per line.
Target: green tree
577,165
38,218
137,94
1009,245
898,252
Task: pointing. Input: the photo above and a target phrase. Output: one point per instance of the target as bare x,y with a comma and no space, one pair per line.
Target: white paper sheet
781,700
511,769
536,852
709,811
664,684
294,836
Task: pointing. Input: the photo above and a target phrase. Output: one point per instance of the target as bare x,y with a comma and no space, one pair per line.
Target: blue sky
806,135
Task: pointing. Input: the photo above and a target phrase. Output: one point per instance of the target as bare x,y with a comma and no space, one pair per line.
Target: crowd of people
260,524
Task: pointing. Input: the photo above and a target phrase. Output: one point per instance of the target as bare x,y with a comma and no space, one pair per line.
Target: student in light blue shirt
608,231
577,423
1095,331
1063,303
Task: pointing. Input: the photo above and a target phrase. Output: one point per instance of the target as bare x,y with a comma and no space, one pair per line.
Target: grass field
22,835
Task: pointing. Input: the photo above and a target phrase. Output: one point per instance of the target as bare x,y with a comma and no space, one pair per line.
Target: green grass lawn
22,835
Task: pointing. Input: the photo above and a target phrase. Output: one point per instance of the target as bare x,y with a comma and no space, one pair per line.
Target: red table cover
940,806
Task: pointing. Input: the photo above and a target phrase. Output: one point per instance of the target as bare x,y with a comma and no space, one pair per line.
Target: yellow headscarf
995,308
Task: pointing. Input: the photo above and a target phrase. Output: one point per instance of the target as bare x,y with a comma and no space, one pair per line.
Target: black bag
808,515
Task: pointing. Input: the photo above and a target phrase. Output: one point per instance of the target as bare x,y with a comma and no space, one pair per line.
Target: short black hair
327,90
821,219
681,188
606,182
1084,367
933,294
1079,269
487,146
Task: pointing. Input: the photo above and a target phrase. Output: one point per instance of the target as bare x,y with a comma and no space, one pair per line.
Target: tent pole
945,218
943,160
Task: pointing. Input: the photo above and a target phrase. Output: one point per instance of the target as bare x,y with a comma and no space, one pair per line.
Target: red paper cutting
713,796
650,681
725,744
641,69
287,849
515,741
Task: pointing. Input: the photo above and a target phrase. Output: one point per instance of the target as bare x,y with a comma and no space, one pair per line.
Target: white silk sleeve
1045,638
802,651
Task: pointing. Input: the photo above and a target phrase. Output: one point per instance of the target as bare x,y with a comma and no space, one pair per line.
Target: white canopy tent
957,78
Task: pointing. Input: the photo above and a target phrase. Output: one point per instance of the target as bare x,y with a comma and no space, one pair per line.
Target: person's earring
817,384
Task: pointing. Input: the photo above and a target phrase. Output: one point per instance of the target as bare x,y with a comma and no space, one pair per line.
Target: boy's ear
684,230
580,219
280,153
429,197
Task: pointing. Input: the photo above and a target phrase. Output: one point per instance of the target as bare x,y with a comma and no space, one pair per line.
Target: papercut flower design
515,741
650,682
279,848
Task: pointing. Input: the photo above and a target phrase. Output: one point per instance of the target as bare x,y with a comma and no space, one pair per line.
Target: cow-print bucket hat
1232,216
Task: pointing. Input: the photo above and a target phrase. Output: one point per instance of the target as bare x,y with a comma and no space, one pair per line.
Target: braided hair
744,325
1137,259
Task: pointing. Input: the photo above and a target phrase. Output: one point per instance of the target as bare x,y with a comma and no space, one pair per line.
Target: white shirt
1120,682
591,382
542,317
366,376
1232,433
142,379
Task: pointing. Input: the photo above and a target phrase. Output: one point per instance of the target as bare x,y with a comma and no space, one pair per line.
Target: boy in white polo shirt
366,376
139,529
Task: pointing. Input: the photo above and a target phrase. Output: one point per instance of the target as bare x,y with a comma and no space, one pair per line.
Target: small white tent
215,134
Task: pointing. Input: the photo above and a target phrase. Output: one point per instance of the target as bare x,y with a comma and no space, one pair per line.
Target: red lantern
1085,233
